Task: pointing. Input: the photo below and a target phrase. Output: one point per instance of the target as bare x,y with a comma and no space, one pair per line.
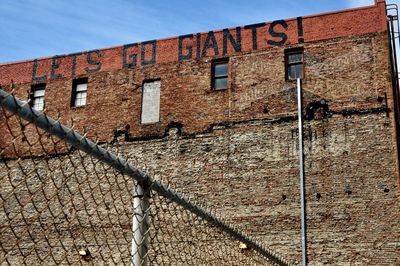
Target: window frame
292,51
75,92
35,88
214,63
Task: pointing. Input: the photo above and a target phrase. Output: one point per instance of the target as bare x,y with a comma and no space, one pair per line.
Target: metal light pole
140,225
301,170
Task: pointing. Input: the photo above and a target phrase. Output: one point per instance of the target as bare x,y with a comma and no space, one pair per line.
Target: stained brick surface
235,149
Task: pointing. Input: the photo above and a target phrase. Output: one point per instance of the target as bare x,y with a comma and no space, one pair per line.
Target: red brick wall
349,73
241,142
318,27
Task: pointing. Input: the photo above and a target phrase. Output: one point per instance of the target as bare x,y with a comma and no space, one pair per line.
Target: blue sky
37,28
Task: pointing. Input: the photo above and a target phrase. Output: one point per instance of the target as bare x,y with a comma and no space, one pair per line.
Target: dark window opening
37,97
294,64
79,92
220,74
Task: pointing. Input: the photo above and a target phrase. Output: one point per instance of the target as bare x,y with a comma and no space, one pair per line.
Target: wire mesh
63,206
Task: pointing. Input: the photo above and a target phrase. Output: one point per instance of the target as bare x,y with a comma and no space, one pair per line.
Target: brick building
218,109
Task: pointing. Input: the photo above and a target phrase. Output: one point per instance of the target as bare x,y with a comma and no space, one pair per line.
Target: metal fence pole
301,170
140,225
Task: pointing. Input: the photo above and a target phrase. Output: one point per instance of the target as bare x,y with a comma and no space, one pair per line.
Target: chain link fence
66,200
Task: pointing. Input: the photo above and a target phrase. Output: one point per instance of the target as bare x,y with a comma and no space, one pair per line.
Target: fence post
140,224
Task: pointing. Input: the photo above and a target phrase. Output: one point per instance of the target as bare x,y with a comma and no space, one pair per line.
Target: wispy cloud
359,3
37,28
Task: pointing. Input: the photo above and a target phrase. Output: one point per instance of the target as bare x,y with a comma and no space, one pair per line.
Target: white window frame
79,93
37,97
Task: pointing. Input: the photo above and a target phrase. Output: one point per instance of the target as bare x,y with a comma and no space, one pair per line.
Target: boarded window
151,102
37,97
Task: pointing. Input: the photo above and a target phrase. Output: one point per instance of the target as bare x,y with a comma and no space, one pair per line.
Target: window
79,92
294,64
220,74
37,97
151,102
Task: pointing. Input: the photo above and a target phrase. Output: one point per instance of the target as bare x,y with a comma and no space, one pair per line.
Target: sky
39,28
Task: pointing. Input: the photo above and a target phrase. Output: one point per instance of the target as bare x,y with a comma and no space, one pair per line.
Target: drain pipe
301,170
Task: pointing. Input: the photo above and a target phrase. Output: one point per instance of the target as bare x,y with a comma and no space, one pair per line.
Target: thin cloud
37,28
359,3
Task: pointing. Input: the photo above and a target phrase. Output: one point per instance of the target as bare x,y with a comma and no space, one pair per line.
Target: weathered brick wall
248,172
236,149
349,73
55,207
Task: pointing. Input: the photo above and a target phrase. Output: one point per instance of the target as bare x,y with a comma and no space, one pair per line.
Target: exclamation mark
300,29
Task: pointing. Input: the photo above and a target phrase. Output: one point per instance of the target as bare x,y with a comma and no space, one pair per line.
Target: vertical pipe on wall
140,225
394,73
395,70
301,170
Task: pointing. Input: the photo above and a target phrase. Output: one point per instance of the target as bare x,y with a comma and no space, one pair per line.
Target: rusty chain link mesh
62,206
